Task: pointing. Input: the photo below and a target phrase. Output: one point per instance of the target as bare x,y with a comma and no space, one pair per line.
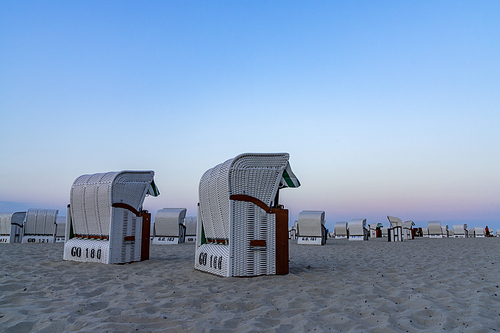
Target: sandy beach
423,285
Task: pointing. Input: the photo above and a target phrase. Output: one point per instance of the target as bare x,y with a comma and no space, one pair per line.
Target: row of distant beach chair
44,226
310,229
241,228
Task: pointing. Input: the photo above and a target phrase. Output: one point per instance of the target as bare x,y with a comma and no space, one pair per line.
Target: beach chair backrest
357,227
310,223
92,198
395,221
40,222
340,229
168,220
434,228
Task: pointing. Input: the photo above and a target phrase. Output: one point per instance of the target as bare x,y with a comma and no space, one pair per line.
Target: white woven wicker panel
29,225
5,219
50,216
252,223
213,259
204,207
40,222
167,221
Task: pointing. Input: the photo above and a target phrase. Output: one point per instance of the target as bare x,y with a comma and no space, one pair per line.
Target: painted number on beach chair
89,253
214,262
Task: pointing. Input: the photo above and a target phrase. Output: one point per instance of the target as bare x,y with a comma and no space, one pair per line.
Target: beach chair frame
357,230
169,228
241,229
105,221
311,226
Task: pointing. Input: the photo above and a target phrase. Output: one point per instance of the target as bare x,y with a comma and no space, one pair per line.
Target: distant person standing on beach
487,231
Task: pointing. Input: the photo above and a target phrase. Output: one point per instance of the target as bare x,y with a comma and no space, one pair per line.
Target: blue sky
386,107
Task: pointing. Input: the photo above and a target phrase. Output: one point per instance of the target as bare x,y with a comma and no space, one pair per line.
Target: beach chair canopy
434,228
9,219
167,221
408,224
310,223
357,227
190,222
40,222
459,229
395,221
256,175
92,198
340,228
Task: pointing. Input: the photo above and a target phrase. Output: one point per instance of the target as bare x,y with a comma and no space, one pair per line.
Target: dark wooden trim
129,239
247,198
146,225
126,206
91,237
258,242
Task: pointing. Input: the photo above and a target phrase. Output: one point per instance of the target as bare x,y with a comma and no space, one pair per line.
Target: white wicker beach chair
396,229
340,230
60,229
357,230
407,230
242,231
312,228
190,222
425,232
479,232
11,227
375,230
40,226
435,230
169,226
105,221
385,231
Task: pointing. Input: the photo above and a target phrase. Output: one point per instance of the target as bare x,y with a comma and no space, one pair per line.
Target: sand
423,285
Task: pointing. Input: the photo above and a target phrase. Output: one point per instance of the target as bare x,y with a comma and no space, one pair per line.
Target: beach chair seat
311,226
242,230
341,230
11,227
105,220
190,222
435,229
396,229
357,230
40,226
169,226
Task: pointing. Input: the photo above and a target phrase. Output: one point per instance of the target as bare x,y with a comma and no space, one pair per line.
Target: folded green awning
288,179
153,190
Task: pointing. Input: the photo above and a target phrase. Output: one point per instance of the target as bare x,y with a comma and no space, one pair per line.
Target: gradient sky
386,107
